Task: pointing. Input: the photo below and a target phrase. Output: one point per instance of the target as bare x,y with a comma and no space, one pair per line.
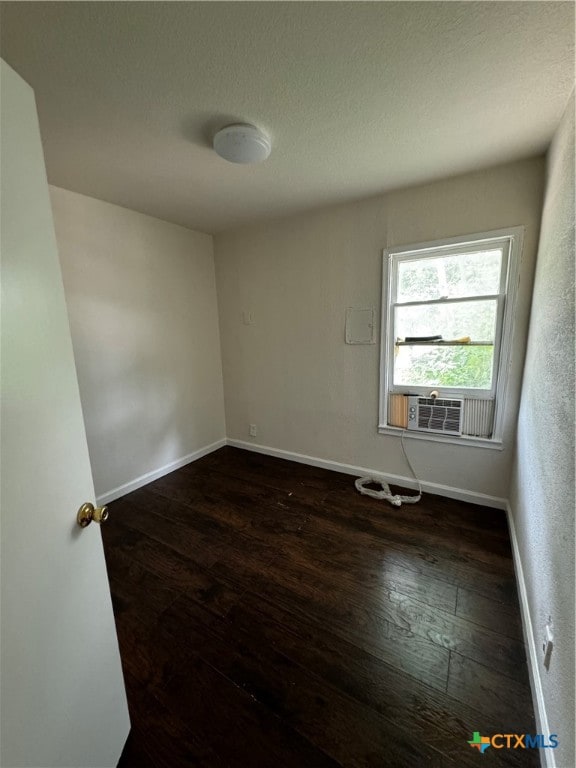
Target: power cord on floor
410,465
386,494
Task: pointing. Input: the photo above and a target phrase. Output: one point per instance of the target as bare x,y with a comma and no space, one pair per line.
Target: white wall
543,491
142,305
291,373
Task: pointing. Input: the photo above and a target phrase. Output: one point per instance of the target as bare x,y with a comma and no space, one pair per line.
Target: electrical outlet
253,430
548,644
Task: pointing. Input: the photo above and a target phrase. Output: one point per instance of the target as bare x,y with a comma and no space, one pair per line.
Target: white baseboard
349,469
437,489
138,482
547,757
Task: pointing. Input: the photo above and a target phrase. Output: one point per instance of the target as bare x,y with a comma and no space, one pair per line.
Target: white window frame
511,240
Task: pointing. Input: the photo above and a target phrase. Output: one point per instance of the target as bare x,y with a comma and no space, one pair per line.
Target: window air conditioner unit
428,414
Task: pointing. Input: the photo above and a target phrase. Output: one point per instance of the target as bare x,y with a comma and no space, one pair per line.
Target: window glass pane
428,366
476,319
466,274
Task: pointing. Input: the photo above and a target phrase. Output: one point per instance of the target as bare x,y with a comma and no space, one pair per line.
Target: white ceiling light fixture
242,143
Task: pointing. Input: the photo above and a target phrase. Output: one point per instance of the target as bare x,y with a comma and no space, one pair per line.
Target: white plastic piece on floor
385,494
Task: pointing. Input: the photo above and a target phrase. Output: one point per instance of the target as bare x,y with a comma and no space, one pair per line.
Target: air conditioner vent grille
439,401
435,415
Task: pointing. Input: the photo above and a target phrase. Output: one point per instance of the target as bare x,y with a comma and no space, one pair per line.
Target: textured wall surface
141,299
291,373
542,492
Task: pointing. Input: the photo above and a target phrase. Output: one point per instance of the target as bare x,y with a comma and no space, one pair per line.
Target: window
447,326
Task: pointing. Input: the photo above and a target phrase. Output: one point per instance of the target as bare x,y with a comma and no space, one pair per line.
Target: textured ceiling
358,97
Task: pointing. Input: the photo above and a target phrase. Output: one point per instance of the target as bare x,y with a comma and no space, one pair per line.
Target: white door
63,701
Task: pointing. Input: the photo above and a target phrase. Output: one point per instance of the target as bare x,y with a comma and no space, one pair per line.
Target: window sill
460,440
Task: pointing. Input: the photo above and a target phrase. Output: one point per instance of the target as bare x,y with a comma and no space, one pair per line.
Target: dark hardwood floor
269,615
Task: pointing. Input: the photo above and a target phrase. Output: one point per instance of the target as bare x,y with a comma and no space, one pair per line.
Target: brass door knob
89,512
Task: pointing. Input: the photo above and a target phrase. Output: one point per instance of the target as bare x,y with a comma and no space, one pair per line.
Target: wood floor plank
363,515
236,725
351,733
150,662
354,568
195,536
334,540
297,481
149,513
484,689
269,614
502,654
434,717
437,511
178,572
241,500
136,591
248,549
352,619
487,613
160,736
458,515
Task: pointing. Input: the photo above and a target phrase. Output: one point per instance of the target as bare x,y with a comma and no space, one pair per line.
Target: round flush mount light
242,143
